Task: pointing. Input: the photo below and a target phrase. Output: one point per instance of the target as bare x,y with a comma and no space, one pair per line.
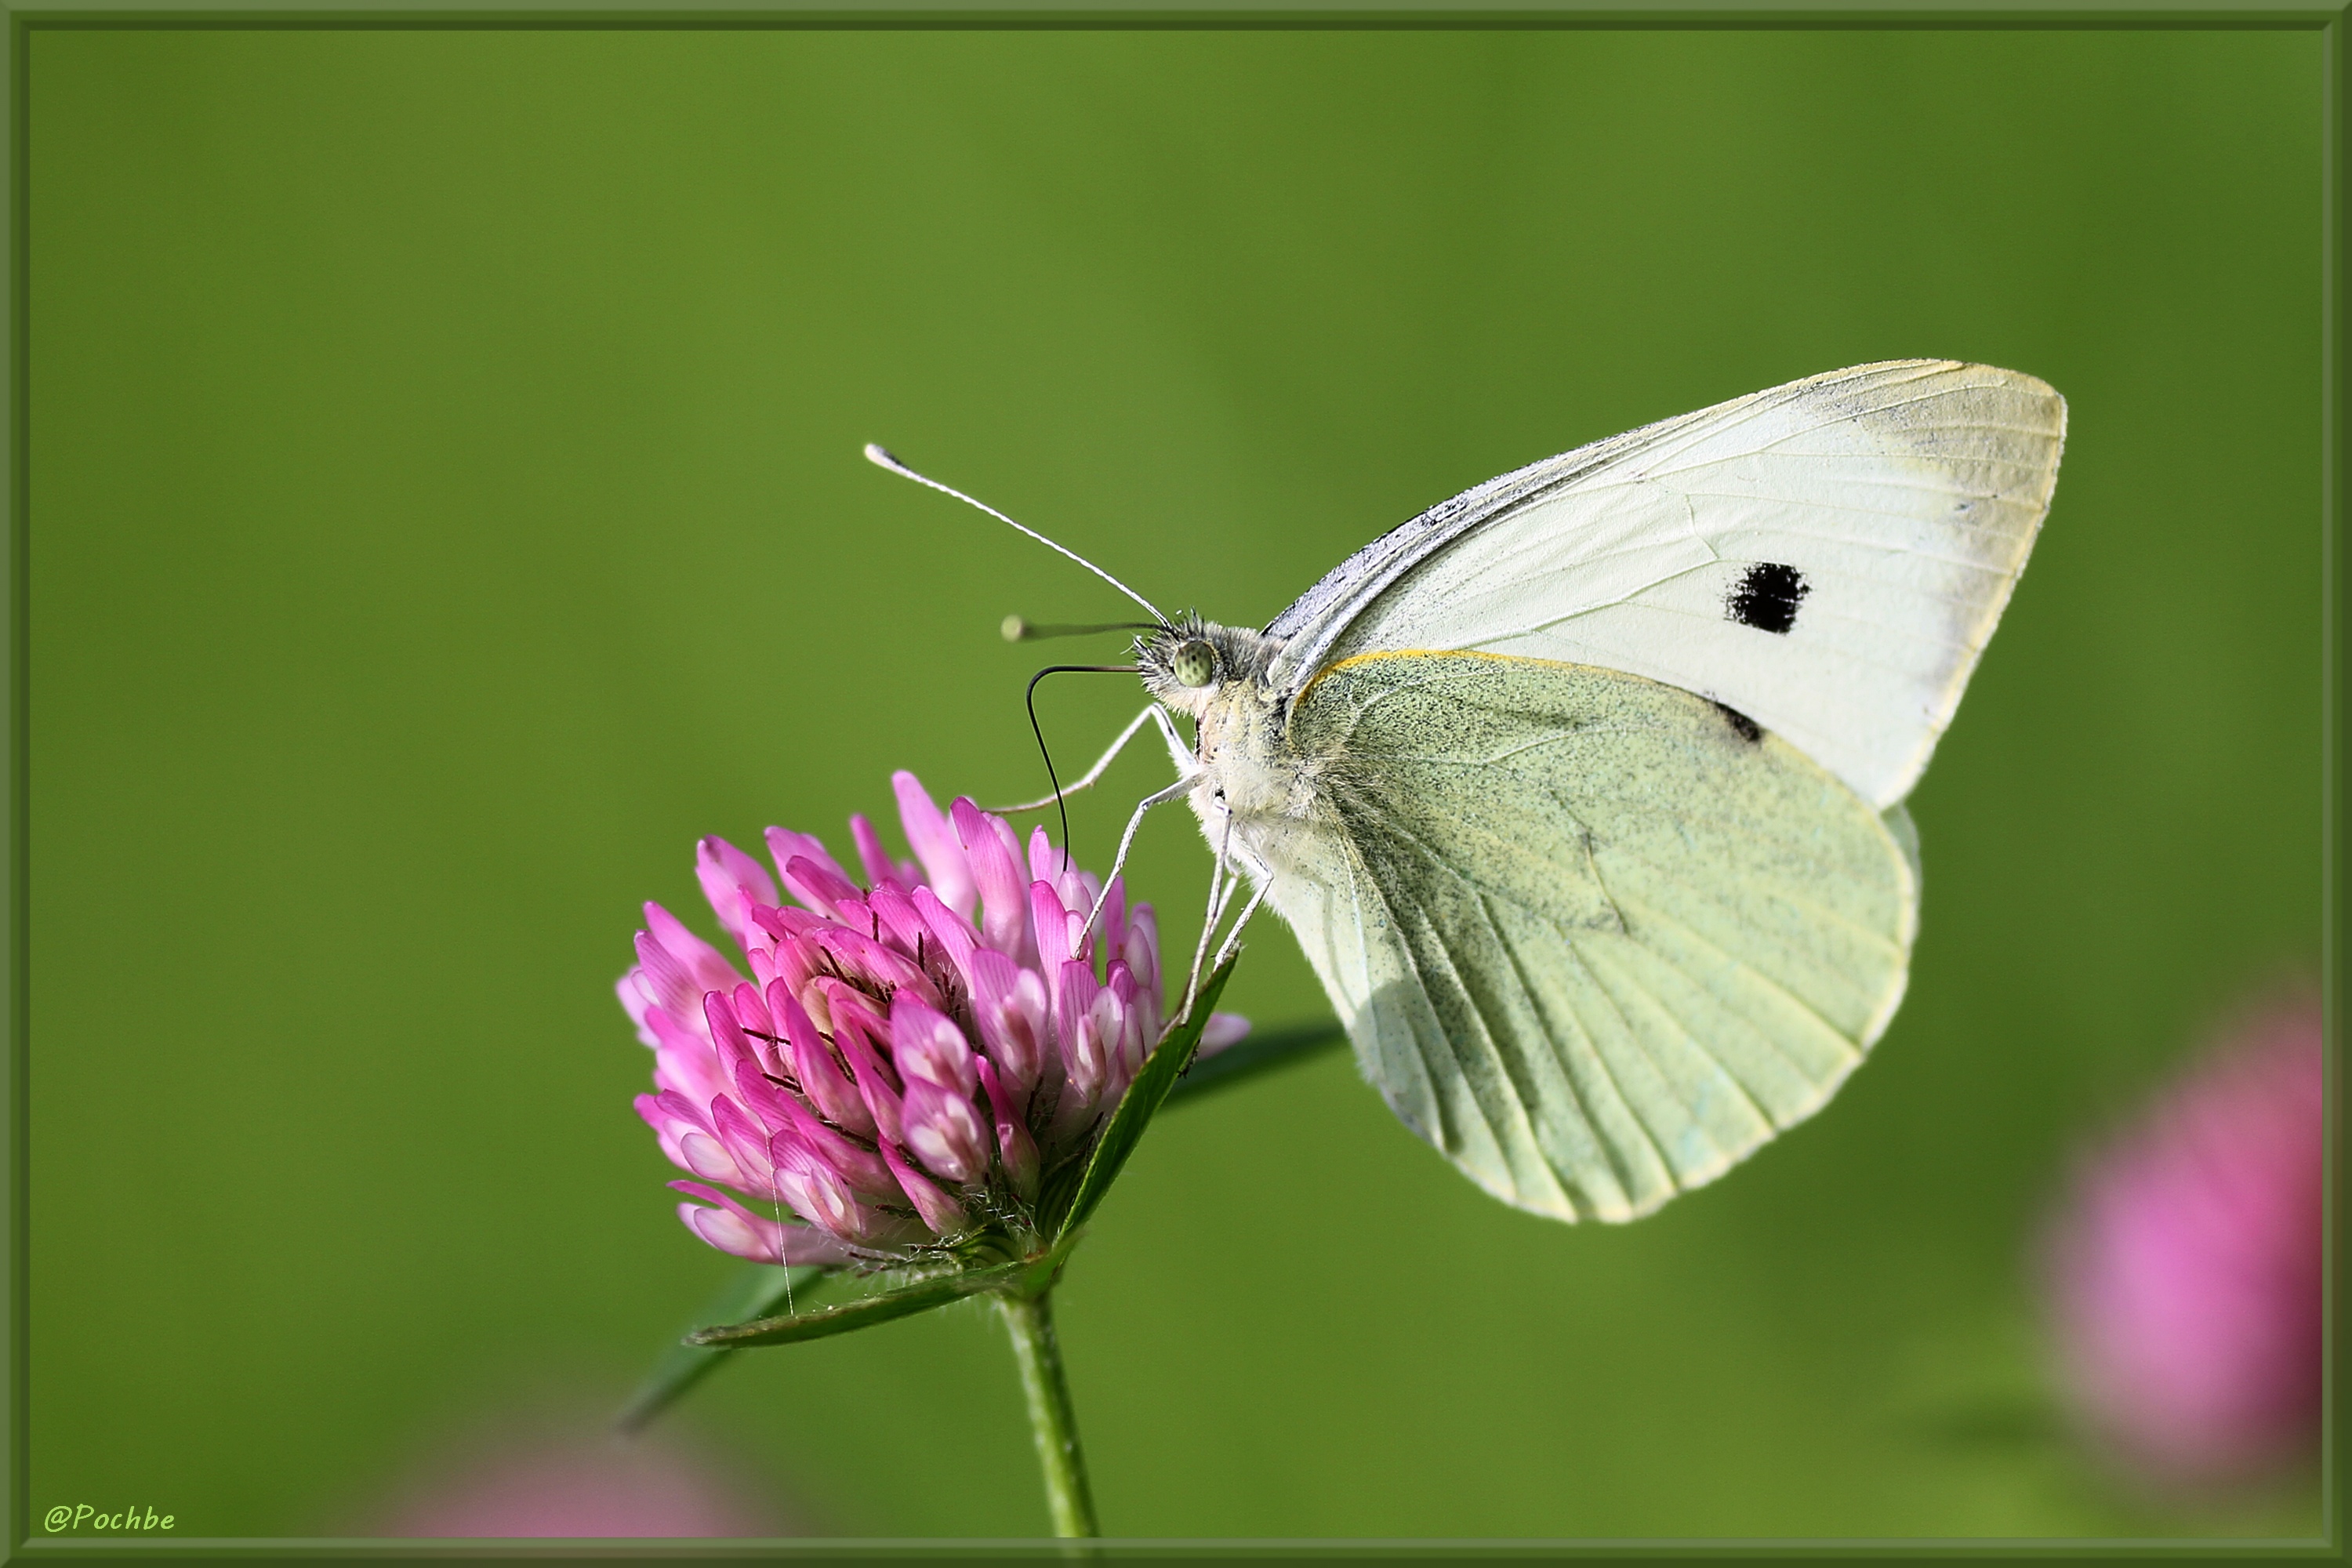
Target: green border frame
2326,17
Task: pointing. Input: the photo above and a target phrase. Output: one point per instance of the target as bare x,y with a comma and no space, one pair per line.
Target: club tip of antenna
1014,629
881,456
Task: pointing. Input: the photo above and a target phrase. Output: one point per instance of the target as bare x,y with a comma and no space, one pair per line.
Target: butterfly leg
1232,944
1221,892
1176,749
1161,797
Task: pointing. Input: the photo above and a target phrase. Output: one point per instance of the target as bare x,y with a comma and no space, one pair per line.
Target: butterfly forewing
1593,936
1828,558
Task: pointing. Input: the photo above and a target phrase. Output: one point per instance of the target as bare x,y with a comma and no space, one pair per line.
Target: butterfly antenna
1037,730
881,458
1021,628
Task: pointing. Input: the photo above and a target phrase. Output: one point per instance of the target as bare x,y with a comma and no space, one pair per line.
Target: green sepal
1024,1277
1138,1105
750,1290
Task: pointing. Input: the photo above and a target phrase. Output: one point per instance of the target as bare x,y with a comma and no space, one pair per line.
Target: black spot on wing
1746,729
1767,597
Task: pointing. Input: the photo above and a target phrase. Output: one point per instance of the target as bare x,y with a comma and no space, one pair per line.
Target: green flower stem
1031,1321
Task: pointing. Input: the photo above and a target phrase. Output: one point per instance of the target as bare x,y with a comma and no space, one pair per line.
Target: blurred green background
445,504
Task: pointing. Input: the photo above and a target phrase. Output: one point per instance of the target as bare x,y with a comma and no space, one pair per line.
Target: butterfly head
1188,664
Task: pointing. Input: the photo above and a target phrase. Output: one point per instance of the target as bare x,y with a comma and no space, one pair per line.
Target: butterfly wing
1593,936
1828,557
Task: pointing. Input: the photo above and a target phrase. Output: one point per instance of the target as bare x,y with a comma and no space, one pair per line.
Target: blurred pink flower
909,1059
2185,1269
556,1484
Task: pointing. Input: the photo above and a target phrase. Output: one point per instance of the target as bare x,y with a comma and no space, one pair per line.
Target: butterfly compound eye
1192,664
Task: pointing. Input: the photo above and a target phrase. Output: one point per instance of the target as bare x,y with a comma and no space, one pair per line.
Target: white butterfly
1583,790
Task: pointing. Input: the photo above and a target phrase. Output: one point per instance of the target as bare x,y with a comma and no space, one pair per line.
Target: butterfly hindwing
1594,937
